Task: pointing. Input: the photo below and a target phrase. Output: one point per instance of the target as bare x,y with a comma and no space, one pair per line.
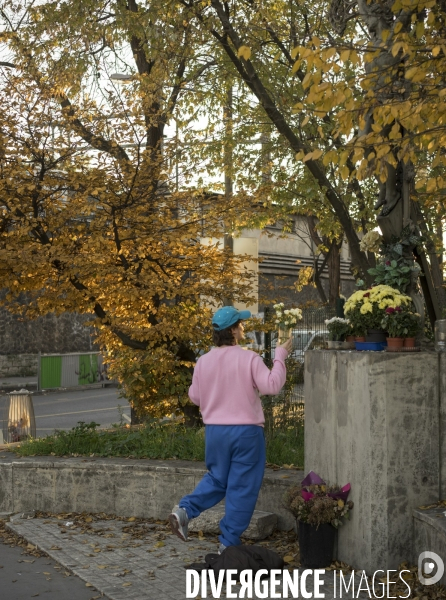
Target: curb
32,387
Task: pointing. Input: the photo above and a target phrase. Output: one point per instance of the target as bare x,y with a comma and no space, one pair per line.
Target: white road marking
36,399
79,412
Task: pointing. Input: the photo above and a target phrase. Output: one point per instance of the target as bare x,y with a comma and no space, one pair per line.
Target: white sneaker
221,548
179,520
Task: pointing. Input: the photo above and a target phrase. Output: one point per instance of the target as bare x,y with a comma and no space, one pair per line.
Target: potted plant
413,326
365,310
338,329
286,319
402,324
319,510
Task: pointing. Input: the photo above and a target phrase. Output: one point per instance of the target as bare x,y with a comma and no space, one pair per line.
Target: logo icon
430,568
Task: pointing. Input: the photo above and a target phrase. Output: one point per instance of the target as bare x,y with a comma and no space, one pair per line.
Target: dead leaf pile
11,539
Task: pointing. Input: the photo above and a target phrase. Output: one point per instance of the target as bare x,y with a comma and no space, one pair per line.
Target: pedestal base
374,420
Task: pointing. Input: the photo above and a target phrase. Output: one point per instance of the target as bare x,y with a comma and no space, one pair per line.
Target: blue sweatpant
235,459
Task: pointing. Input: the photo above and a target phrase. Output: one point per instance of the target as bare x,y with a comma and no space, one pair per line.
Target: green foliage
153,440
286,446
396,266
401,322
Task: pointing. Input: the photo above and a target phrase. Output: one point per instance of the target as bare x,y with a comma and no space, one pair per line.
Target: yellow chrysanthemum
366,307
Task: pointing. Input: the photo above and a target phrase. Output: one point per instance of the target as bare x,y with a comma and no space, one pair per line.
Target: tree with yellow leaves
98,212
355,90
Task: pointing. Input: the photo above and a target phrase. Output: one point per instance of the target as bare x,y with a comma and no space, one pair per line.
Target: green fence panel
88,368
50,371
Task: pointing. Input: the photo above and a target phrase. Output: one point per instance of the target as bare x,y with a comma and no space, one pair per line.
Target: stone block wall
49,334
18,365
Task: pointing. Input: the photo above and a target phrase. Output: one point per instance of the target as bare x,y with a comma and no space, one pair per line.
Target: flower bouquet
286,320
316,503
319,509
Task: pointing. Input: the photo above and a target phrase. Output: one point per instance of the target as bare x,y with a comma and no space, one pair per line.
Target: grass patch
153,440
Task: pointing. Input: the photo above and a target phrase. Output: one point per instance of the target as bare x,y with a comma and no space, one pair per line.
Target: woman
226,385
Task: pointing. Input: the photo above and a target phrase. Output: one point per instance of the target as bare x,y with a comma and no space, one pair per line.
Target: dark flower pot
316,545
375,335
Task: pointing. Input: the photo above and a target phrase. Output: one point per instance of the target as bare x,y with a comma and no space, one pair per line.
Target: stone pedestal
374,419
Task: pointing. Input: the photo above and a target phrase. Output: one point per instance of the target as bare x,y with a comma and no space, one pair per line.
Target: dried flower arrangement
314,502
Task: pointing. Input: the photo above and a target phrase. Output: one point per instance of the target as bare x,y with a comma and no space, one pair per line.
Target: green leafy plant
401,322
396,266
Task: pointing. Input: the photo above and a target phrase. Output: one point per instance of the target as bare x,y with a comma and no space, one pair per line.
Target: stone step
429,535
261,526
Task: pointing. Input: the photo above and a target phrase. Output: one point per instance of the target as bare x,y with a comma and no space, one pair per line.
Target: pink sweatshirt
227,382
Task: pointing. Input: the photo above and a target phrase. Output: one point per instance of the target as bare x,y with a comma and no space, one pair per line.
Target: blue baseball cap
227,316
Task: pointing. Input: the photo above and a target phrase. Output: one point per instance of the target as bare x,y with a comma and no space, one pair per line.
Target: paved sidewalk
18,383
132,559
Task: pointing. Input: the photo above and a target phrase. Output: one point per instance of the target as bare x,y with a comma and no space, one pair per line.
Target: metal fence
70,370
287,408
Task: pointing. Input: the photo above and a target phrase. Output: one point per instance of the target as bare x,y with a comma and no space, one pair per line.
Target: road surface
63,410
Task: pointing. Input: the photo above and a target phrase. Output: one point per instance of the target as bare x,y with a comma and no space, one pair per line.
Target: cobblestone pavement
132,559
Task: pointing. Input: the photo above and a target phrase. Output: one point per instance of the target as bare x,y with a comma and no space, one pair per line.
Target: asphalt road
24,576
63,410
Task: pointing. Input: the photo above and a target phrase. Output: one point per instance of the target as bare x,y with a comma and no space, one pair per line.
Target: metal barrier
70,370
287,407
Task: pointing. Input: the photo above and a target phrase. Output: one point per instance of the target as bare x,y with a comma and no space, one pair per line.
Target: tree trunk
436,267
134,417
318,283
334,273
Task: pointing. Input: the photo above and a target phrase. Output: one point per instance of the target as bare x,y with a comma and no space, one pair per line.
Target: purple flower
390,310
388,263
398,309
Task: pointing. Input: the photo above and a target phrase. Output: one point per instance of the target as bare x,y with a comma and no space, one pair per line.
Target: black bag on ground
241,558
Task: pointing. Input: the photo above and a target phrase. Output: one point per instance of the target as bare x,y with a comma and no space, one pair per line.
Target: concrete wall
139,488
429,534
372,419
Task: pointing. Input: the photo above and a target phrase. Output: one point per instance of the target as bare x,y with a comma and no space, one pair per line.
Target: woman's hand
288,345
